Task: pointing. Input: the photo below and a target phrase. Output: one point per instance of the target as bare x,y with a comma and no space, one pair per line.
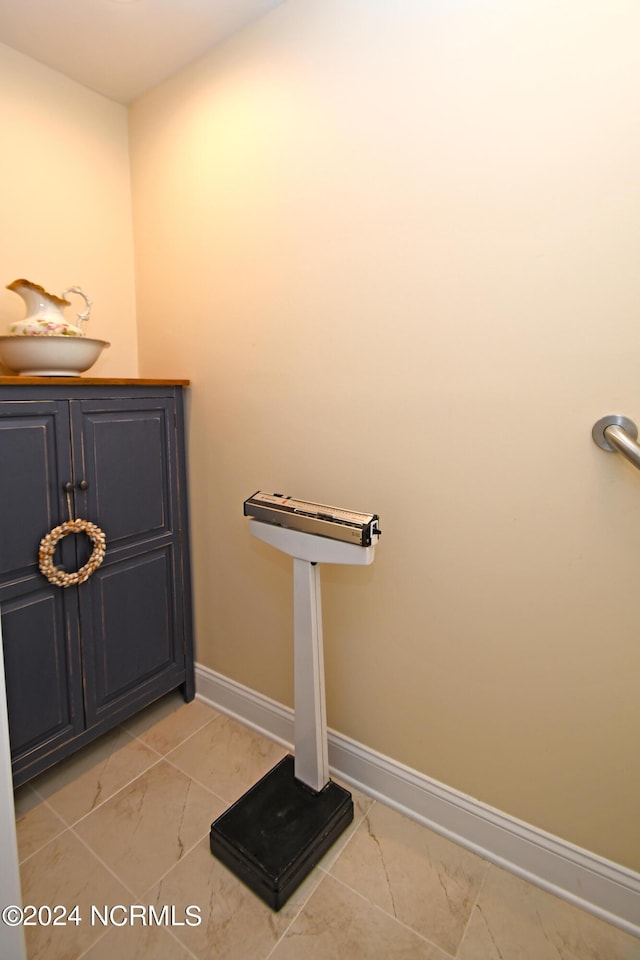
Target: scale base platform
276,833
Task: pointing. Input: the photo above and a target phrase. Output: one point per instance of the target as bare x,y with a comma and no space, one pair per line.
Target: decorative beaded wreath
48,546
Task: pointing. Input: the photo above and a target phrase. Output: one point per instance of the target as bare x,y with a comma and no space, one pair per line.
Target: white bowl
50,356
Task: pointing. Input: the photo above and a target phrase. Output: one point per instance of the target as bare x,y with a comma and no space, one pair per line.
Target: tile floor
126,822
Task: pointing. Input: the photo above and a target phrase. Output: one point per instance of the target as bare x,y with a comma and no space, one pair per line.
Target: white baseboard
606,889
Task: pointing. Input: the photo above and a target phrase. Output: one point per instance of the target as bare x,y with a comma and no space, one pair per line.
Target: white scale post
309,551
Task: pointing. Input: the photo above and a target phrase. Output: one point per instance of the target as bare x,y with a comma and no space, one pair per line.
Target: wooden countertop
91,381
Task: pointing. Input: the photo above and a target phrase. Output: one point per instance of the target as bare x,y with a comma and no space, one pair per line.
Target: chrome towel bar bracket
618,434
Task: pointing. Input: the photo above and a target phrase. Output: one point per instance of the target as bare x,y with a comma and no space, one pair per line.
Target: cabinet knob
84,484
68,487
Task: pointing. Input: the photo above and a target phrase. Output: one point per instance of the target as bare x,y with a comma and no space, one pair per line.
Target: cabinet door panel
34,453
126,456
132,628
132,615
40,637
44,689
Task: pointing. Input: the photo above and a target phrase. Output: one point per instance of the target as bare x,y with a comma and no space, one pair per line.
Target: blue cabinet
80,659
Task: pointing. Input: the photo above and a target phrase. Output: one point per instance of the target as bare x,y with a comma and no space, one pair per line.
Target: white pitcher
45,317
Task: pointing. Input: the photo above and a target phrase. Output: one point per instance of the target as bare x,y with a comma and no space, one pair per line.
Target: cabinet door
39,620
132,610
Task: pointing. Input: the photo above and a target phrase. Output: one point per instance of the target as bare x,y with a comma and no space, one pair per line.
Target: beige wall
65,200
395,248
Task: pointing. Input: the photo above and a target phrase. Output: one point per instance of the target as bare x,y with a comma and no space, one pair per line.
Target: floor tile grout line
332,861
103,864
133,737
86,844
390,916
88,746
67,829
71,826
119,879
204,786
218,714
147,746
301,907
475,906
66,825
322,874
218,796
182,742
298,908
135,899
41,797
90,947
168,930
176,864
34,853
63,824
111,796
234,721
322,871
44,799
181,943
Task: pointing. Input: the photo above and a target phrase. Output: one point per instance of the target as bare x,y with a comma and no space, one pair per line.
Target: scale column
311,753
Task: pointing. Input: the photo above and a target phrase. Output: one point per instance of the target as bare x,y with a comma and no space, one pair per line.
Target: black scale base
275,834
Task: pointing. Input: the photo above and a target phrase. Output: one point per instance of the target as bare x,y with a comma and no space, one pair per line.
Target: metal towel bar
618,434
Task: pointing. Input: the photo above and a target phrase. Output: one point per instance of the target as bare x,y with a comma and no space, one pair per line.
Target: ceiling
121,48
